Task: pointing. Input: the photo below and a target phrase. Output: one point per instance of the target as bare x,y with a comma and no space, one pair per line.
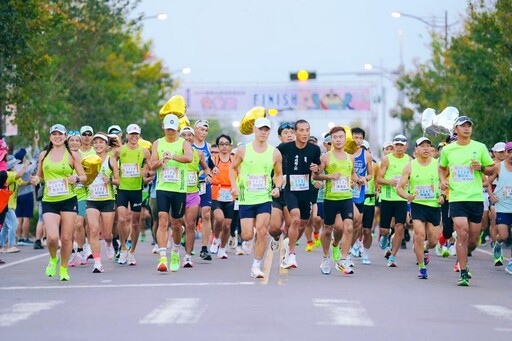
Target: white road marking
509,330
22,311
496,311
3,266
140,285
176,310
342,313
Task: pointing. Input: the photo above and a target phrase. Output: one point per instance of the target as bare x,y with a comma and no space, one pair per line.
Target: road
218,300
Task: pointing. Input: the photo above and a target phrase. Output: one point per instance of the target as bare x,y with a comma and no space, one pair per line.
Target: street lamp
159,16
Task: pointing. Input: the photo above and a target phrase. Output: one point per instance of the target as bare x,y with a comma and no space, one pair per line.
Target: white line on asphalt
342,313
176,310
503,329
141,285
23,260
22,311
497,311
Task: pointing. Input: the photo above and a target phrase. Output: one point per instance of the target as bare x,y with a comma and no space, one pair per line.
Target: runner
251,183
55,169
170,156
369,213
133,163
338,205
461,167
422,177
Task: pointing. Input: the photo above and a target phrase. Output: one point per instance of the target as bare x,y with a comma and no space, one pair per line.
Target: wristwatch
482,168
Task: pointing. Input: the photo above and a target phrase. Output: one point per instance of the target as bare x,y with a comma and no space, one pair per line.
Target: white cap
202,123
366,144
187,130
86,128
387,144
133,129
499,147
400,139
171,122
421,140
115,129
262,122
58,127
101,136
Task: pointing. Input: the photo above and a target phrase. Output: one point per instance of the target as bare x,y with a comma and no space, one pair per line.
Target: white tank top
503,190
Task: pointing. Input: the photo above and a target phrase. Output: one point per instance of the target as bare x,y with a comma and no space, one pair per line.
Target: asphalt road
218,300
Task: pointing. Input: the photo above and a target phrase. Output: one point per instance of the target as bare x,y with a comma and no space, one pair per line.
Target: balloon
145,144
183,122
434,125
92,166
350,145
176,105
427,117
247,124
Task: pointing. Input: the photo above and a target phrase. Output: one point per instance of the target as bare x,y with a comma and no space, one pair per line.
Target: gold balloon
183,122
176,105
247,124
145,144
350,146
92,166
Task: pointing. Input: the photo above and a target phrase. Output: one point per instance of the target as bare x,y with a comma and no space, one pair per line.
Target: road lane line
496,311
342,313
3,266
177,311
22,311
140,285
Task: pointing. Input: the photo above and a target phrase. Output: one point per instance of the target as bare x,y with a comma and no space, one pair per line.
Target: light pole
159,16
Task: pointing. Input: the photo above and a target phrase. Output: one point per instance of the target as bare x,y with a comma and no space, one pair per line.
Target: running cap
421,140
262,122
366,144
114,129
187,130
400,139
171,122
313,139
133,129
499,147
86,128
202,123
101,136
387,144
461,120
508,146
58,127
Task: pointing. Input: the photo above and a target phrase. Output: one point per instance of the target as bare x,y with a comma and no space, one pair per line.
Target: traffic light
302,75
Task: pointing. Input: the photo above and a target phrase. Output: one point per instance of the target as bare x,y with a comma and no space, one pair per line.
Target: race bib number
257,183
170,174
356,191
463,174
340,185
191,178
99,190
507,191
299,182
225,195
202,188
237,205
424,193
130,170
57,187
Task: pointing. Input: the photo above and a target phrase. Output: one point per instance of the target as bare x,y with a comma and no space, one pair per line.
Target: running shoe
38,245
392,262
439,249
204,255
289,262
98,268
349,261
426,257
72,260
214,248
63,274
155,249
247,247
274,244
452,250
366,261
309,247
142,238
383,242
187,261
162,265
317,243
131,259
344,267
123,257
463,281
388,253
175,262
509,267
222,253
256,272
239,251
498,262
110,251
325,266
87,250
497,253
456,268
81,257
232,242
445,252
335,252
355,251
51,268
422,274
12,249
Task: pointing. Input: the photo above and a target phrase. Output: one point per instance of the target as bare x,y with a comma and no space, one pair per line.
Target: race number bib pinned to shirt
299,182
57,187
130,170
225,195
340,185
463,174
424,193
237,205
202,188
257,183
356,191
99,190
170,174
191,179
507,191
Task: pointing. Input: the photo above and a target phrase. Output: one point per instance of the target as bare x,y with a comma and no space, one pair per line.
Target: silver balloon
427,117
434,125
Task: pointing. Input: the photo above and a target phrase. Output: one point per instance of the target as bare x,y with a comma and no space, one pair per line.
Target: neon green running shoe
336,254
175,262
63,274
51,268
318,243
463,281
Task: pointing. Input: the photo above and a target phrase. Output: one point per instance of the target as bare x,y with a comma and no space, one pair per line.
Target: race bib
340,185
299,182
202,188
257,183
191,178
237,206
424,193
57,187
170,174
463,174
356,191
225,195
99,190
507,191
130,170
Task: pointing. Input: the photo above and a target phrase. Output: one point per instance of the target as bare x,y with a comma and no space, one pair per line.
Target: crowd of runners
254,197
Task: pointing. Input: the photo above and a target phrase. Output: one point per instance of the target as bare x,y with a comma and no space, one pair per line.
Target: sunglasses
224,144
73,133
87,133
399,140
286,125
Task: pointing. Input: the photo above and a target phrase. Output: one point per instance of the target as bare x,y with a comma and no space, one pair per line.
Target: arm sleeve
211,165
